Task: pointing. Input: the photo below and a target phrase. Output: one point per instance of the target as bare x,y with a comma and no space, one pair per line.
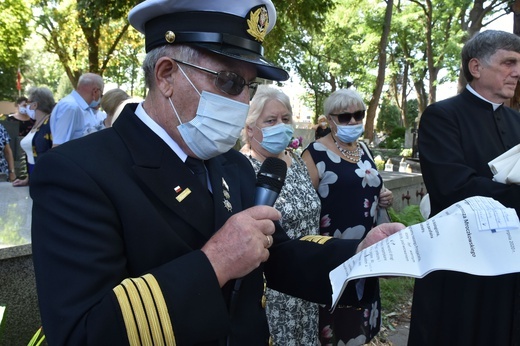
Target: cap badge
258,23
169,36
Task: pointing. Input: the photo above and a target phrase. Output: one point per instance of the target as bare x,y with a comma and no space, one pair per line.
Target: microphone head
272,174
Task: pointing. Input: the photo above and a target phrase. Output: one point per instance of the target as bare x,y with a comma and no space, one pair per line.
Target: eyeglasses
226,81
344,118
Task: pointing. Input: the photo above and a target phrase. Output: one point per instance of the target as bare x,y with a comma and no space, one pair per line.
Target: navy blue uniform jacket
117,251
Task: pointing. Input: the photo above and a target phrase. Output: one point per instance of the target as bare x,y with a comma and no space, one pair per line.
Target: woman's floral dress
349,194
4,140
293,321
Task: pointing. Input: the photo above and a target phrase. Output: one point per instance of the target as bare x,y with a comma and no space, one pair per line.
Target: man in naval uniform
146,233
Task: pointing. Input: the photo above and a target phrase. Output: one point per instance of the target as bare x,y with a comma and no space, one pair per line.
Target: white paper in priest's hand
506,167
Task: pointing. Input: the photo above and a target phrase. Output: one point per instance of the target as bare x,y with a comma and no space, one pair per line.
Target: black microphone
269,181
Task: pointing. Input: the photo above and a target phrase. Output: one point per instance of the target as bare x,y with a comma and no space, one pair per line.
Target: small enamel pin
182,194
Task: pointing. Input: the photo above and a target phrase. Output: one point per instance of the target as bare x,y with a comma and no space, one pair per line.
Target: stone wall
18,294
408,188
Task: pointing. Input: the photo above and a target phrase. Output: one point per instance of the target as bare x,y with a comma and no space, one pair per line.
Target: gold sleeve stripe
158,333
162,309
319,239
128,315
145,312
138,306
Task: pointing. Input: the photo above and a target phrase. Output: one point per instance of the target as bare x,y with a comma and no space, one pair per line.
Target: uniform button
264,301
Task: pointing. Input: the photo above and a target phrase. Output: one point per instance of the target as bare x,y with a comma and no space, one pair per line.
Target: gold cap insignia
169,36
258,23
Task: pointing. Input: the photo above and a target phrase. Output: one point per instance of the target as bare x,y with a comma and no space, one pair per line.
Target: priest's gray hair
484,44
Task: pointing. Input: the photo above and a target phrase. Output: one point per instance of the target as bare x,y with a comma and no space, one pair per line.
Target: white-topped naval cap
235,29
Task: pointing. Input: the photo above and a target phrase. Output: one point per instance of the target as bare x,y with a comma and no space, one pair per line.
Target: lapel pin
227,196
225,185
183,195
227,205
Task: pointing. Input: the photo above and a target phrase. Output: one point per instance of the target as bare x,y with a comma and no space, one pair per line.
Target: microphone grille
272,173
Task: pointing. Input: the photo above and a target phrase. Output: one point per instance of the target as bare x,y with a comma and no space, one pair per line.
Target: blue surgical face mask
276,138
22,109
95,103
216,126
348,133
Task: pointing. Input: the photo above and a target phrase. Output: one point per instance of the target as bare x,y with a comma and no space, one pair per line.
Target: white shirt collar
471,90
159,131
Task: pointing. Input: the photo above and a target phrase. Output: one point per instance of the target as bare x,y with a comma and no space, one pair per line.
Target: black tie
198,168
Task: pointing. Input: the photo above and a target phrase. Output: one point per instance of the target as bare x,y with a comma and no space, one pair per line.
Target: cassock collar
471,90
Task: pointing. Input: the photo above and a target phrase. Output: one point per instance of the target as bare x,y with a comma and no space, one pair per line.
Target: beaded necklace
352,155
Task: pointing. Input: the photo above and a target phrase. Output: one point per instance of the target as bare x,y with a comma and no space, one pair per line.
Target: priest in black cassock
457,139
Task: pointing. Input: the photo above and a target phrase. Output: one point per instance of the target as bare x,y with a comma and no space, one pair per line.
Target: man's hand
242,243
378,233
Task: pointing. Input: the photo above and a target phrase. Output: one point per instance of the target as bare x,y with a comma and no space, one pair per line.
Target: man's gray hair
90,79
484,44
180,52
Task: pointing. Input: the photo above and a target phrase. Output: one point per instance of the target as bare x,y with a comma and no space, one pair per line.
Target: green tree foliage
125,68
14,15
428,36
325,44
84,34
412,113
296,41
304,16
338,54
423,49
41,68
389,117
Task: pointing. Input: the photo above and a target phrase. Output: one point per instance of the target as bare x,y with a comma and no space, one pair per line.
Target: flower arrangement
295,144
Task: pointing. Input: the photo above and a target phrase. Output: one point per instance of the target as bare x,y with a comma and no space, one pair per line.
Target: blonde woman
267,133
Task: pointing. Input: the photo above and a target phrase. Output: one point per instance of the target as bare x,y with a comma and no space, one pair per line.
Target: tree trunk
380,80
